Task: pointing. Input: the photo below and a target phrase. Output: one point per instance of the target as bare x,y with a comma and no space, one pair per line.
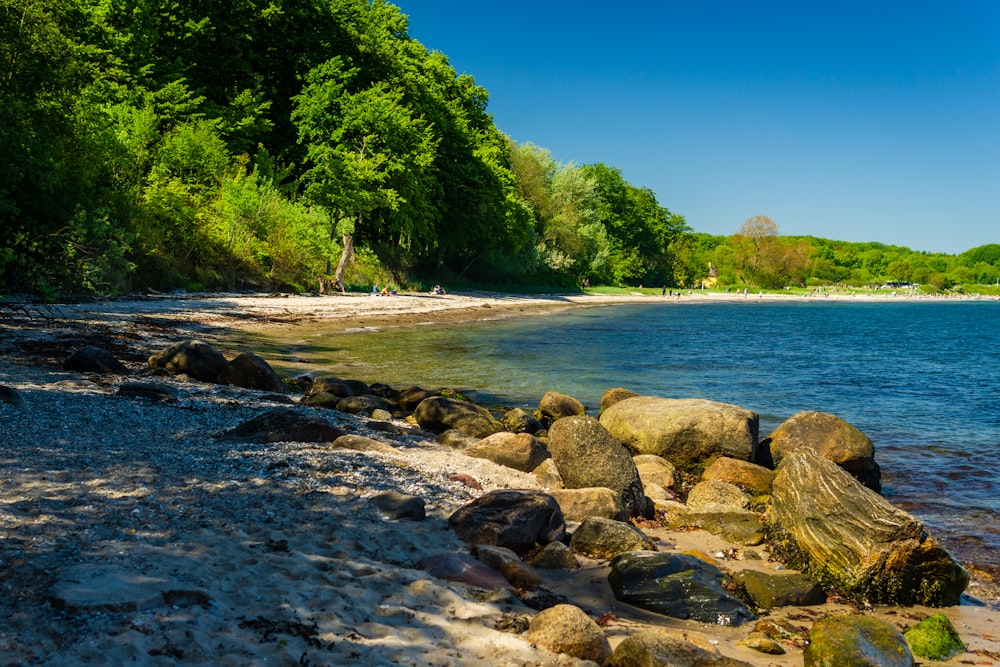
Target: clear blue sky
857,121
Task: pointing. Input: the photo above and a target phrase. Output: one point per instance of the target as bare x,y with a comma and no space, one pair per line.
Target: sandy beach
131,533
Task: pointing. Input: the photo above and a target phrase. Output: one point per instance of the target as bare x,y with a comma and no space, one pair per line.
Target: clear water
921,379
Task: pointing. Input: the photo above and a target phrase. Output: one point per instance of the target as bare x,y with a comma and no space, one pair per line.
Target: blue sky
857,121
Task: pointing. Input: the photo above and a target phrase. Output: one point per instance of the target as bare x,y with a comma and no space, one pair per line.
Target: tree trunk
346,256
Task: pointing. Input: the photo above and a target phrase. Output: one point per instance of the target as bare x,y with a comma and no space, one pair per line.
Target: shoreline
100,488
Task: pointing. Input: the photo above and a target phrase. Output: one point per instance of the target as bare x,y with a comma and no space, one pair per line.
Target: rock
322,399
410,397
467,480
10,396
331,386
361,443
934,638
508,518
554,556
616,395
396,505
438,414
249,371
554,406
676,585
383,390
601,538
829,436
517,420
581,504
743,528
853,640
657,470
520,451
518,573
358,388
655,648
690,433
761,643
713,496
284,425
781,589
193,358
457,439
91,359
588,456
110,588
857,542
567,629
362,404
548,475
380,421
751,478
463,568
152,391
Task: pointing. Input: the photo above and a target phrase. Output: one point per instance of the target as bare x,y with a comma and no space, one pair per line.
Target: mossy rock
934,638
853,640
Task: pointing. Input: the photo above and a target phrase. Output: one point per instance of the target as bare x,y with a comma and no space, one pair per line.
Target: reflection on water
920,379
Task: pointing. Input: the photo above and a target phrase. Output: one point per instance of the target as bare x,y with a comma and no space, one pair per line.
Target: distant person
586,283
437,289
375,289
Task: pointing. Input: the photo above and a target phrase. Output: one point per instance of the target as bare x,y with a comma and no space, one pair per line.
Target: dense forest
313,144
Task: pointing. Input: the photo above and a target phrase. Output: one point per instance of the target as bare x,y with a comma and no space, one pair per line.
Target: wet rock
853,640
438,414
249,371
92,359
554,406
362,404
396,505
934,638
690,433
601,538
581,504
284,425
857,542
588,456
761,643
322,399
358,388
410,397
567,629
520,451
675,585
781,589
653,648
829,436
514,519
331,386
193,358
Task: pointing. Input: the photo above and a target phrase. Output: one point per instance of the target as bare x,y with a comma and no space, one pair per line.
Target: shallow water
920,379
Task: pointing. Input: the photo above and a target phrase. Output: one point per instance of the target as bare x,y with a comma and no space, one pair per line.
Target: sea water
921,379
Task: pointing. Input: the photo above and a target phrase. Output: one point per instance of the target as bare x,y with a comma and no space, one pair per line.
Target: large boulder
829,436
509,518
655,648
675,585
194,358
858,543
688,432
520,451
781,589
554,406
588,456
853,640
249,371
438,413
567,629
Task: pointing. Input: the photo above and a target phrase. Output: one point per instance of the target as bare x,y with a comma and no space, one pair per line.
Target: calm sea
921,379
